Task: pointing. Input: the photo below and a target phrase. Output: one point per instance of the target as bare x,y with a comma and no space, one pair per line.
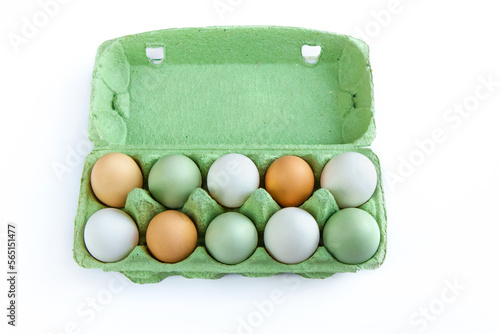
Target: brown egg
113,176
171,236
290,181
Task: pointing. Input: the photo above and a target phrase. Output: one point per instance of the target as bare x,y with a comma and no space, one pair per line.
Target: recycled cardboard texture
226,90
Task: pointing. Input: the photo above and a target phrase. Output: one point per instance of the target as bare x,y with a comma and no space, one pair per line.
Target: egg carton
207,92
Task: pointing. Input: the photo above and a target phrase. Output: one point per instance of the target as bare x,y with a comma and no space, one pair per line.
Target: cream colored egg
113,176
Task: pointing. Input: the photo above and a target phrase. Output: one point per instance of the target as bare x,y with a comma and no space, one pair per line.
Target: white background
427,57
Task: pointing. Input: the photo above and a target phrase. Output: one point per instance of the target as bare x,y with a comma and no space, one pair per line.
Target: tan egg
290,181
113,176
171,236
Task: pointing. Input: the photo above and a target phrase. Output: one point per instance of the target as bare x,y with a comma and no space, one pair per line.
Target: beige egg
171,236
113,176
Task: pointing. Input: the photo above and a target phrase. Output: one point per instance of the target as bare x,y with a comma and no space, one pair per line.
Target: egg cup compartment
214,91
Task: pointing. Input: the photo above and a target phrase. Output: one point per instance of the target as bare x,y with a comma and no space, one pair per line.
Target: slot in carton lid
251,86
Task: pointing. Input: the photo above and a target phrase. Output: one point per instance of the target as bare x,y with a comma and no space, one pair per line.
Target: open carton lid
232,86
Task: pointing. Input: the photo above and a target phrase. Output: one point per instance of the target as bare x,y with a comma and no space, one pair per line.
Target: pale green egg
351,235
231,238
172,179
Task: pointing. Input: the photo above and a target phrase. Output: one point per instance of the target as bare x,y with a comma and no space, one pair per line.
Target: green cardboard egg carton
206,92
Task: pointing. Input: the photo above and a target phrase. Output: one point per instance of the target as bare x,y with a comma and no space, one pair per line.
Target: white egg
291,235
110,235
351,178
232,179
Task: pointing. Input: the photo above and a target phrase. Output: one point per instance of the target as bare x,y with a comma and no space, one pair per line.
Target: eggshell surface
231,238
351,178
171,236
172,179
351,235
291,235
113,176
290,181
110,235
232,179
